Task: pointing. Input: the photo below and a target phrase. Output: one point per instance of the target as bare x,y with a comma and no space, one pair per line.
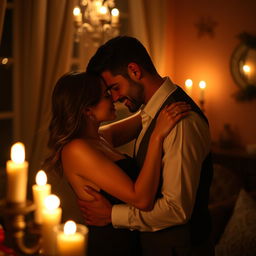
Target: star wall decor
206,26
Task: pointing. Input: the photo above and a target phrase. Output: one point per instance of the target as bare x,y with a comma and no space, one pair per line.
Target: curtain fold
2,14
148,20
42,50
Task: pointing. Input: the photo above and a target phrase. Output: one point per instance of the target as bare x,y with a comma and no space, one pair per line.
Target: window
6,86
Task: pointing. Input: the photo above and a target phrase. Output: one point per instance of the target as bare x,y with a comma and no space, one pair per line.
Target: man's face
124,90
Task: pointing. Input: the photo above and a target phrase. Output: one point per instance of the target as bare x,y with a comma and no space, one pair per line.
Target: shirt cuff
119,215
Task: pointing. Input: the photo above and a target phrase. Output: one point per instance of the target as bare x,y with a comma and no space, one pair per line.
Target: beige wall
207,58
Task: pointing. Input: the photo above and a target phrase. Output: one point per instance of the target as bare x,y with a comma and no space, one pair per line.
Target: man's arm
96,212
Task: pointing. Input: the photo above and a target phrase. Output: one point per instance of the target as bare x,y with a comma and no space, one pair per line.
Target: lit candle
73,240
40,191
51,218
202,86
189,84
17,174
77,14
115,16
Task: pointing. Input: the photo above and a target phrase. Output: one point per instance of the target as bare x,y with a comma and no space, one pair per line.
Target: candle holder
201,103
15,226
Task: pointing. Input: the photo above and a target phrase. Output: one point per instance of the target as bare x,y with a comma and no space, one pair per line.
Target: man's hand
96,212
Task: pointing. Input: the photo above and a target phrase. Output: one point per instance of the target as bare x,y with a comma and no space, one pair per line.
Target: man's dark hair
117,53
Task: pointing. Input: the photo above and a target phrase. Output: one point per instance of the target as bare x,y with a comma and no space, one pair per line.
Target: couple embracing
155,203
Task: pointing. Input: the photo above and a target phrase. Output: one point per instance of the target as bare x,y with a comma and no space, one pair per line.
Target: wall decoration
206,26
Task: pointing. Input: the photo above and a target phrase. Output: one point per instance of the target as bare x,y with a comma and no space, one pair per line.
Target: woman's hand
169,117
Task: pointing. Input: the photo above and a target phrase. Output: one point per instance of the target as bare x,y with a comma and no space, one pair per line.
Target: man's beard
137,100
134,105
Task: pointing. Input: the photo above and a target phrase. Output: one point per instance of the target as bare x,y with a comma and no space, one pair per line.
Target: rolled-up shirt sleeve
184,151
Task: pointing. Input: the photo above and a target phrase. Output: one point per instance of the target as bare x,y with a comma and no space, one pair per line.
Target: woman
86,154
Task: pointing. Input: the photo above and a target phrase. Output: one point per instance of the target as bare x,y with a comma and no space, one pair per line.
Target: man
179,222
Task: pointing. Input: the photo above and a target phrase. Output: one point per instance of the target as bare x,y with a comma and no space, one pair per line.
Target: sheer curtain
2,13
148,20
42,50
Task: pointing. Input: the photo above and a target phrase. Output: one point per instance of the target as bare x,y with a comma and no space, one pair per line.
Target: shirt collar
159,97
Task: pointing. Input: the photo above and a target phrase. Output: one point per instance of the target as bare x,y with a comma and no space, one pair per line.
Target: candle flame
202,84
115,12
76,11
18,153
51,202
41,178
188,83
70,227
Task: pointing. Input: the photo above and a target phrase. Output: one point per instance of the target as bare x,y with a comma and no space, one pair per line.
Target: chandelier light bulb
115,12
76,11
103,10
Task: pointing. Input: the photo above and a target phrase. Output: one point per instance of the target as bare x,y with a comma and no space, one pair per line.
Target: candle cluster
48,213
201,85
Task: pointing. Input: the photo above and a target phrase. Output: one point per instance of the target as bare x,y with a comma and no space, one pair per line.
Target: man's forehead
109,79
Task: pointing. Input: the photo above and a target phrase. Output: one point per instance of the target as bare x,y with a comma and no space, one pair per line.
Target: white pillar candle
189,85
40,191
202,86
51,218
73,240
17,175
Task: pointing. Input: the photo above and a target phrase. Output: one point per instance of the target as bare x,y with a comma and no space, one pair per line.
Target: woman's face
105,109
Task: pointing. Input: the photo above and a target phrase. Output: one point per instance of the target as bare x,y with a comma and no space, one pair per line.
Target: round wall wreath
247,89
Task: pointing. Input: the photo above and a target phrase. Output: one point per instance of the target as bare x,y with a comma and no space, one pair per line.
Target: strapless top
129,166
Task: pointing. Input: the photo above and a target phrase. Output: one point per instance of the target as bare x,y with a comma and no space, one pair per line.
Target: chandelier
96,19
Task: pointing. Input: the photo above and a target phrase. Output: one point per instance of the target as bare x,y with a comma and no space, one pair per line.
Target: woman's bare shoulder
77,146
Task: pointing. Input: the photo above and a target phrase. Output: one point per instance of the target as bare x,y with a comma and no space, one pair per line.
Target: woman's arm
85,161
122,131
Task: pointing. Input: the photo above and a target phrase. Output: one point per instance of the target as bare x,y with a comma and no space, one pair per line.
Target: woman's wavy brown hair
73,93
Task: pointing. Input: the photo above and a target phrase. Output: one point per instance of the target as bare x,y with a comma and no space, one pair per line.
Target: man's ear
134,71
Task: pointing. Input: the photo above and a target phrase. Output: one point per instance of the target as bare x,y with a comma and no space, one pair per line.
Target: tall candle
40,191
73,240
202,86
189,85
17,174
51,218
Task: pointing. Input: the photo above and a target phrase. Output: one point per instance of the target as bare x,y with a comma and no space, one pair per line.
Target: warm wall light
246,68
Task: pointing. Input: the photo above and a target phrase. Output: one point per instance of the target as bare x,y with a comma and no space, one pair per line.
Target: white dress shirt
185,148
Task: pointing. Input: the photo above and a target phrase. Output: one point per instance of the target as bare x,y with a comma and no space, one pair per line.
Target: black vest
200,220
